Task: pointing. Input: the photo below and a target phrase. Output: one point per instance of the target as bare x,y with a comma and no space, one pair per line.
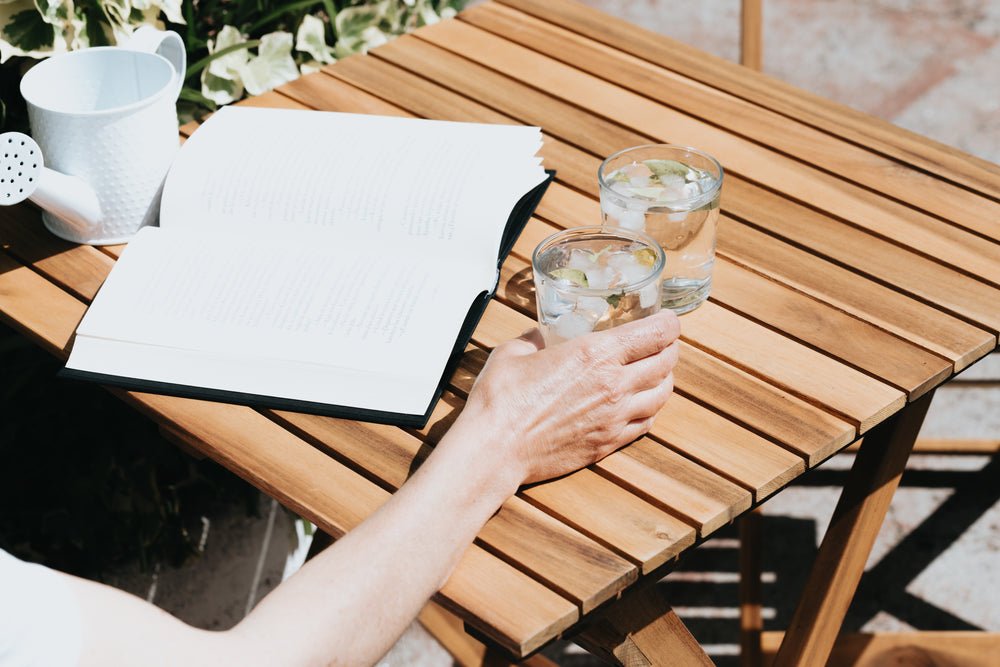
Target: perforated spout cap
20,167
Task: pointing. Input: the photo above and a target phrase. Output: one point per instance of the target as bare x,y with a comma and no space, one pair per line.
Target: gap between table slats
578,90
940,289
357,75
796,104
725,110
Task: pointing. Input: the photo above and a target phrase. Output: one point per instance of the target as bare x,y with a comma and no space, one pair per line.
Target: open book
315,261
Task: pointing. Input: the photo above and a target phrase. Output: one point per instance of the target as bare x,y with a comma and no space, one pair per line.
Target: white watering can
105,119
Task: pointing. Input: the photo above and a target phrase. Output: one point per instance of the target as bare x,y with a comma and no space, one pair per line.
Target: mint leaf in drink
594,256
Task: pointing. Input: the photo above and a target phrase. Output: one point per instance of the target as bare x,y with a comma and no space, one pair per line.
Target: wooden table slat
76,268
796,368
739,156
846,337
38,308
677,484
924,278
793,102
812,432
738,116
326,93
958,341
528,104
612,515
563,559
726,447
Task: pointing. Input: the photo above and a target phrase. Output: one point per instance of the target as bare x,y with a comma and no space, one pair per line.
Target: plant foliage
87,483
235,47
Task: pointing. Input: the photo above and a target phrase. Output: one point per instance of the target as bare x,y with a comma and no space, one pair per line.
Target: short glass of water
594,278
672,194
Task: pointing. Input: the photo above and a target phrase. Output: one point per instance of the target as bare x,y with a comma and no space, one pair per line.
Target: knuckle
615,391
591,352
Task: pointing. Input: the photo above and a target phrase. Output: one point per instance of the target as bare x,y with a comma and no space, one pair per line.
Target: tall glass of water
671,193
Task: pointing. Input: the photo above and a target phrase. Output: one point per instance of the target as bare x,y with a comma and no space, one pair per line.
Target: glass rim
677,204
656,271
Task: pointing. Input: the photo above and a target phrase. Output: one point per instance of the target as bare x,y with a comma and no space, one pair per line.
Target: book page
224,312
280,173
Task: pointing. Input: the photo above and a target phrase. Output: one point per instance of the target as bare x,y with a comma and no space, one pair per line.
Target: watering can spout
23,175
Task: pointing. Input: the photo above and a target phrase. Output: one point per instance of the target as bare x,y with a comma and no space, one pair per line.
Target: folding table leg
841,558
641,630
751,600
449,631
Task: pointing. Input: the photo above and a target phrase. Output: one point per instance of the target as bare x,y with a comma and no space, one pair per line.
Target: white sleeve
39,617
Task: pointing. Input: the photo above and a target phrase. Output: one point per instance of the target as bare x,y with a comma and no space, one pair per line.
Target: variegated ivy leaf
311,38
426,13
272,66
221,81
117,12
54,11
170,8
351,23
25,32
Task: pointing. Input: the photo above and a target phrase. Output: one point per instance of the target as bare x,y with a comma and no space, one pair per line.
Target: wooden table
858,269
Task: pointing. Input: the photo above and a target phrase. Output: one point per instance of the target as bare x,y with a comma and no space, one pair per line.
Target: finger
528,342
648,403
651,371
633,431
534,336
641,338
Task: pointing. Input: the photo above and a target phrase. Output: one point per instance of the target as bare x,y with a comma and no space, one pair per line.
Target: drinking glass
594,278
672,194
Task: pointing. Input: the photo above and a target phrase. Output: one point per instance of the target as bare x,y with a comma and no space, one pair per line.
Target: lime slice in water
646,256
672,167
575,276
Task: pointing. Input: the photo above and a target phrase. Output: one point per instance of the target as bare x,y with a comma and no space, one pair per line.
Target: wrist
477,449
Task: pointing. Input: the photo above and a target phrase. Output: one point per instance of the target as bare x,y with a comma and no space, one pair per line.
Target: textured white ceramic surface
108,116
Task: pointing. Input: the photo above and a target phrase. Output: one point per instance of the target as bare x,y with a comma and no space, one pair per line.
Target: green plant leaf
351,22
53,12
614,299
272,66
28,32
222,53
311,38
95,32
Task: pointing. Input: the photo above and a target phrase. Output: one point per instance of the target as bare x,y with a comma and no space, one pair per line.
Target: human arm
533,414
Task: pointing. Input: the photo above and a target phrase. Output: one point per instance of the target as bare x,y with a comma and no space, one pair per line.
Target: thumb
529,342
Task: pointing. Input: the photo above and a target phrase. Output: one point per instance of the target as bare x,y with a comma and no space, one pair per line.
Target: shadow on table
703,588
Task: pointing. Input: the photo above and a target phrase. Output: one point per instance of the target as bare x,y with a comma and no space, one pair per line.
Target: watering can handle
166,43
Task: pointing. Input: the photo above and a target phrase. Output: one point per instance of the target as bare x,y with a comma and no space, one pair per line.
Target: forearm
533,414
346,606
353,601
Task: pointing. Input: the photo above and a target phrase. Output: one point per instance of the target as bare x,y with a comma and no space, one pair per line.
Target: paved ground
928,65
